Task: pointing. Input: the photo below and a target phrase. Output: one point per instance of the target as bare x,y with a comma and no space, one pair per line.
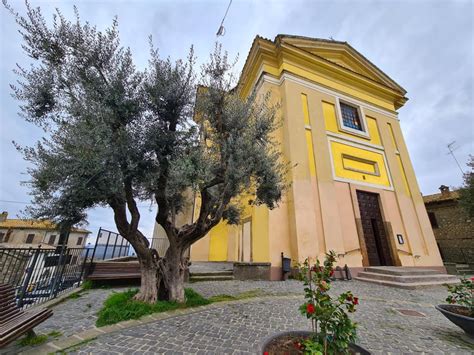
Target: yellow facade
342,136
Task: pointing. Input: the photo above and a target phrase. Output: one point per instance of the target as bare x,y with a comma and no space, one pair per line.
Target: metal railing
40,274
110,245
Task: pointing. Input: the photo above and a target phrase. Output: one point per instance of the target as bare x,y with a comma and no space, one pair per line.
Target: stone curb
92,333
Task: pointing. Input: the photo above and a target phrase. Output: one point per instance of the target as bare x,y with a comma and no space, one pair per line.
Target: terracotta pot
463,322
355,349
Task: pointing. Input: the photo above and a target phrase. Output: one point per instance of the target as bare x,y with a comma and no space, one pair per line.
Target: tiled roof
27,246
35,224
451,195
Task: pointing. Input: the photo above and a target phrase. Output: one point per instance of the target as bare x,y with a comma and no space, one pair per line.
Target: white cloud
426,46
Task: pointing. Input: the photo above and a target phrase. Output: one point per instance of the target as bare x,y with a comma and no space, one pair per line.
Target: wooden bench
15,322
113,270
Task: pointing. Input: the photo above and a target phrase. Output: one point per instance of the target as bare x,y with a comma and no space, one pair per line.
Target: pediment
341,54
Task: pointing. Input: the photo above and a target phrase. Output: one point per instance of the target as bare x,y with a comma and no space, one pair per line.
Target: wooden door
375,236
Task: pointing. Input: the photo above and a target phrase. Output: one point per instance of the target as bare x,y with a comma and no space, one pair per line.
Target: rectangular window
2,236
350,117
79,241
29,238
433,221
52,239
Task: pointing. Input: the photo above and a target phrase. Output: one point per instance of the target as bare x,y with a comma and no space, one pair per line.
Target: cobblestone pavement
238,328
70,316
78,314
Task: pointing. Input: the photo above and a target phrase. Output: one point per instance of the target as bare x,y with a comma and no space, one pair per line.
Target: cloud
426,46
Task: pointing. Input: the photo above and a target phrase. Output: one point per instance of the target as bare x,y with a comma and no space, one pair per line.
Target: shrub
462,294
333,330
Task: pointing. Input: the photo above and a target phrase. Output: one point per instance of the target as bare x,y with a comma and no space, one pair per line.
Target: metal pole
61,264
28,277
121,246
115,244
106,246
95,246
83,266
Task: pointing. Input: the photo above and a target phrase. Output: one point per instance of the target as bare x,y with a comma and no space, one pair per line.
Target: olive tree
466,192
116,135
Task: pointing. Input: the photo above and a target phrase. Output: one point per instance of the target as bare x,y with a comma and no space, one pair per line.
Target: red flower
356,300
349,298
331,273
266,353
298,345
310,308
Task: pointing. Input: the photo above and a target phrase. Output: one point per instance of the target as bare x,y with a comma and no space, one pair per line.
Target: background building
353,188
20,233
452,226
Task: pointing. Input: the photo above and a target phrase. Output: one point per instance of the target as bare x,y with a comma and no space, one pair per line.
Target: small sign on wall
400,239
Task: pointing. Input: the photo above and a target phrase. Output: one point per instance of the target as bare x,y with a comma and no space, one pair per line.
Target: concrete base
252,271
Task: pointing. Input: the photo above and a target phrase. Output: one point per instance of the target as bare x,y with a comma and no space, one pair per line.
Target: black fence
110,245
40,274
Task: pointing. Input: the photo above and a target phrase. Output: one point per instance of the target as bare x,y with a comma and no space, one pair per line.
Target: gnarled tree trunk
150,276
174,271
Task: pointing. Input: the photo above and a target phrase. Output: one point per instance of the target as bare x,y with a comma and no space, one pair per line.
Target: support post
29,272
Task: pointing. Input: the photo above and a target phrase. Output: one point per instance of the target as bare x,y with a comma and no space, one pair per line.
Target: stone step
213,273
193,278
407,278
400,271
409,286
466,271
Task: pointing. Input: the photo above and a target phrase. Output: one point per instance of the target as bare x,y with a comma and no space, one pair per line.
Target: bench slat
15,322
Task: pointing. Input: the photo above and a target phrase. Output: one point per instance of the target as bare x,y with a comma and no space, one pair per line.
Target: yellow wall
328,166
218,242
359,164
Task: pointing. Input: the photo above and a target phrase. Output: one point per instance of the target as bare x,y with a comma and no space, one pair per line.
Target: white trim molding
264,77
360,146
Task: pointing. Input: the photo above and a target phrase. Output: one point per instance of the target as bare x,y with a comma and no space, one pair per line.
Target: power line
221,30
20,202
27,203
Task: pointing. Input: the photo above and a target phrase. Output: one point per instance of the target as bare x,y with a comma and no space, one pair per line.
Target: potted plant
460,307
333,332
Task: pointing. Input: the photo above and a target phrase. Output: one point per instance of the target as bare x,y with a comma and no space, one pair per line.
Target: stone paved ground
239,327
75,315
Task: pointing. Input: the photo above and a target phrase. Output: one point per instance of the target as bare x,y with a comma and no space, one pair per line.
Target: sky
425,46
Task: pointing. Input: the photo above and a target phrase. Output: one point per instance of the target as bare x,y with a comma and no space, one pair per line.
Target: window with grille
2,236
79,241
351,117
29,238
52,239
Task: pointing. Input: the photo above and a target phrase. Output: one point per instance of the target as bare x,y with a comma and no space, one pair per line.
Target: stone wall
455,231
252,271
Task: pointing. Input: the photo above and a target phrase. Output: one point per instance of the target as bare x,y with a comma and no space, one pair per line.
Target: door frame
392,246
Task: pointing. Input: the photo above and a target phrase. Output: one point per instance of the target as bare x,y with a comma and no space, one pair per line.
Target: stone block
252,271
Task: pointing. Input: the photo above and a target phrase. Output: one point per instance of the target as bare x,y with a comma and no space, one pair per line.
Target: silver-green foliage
116,134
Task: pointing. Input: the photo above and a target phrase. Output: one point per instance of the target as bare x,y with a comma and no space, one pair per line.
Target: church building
353,188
